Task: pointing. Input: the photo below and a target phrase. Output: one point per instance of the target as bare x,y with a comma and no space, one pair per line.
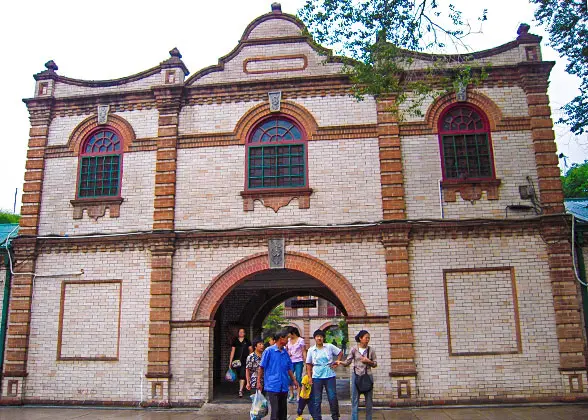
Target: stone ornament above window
275,101
103,114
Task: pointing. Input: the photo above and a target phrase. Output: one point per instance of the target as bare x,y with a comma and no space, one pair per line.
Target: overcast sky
111,39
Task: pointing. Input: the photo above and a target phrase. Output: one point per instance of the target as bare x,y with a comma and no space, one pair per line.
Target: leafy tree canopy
7,217
567,24
376,34
274,322
575,181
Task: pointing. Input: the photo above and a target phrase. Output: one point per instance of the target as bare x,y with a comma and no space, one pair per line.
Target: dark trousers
316,398
301,404
279,405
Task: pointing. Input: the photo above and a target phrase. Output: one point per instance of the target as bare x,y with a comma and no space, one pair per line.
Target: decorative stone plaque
275,101
462,93
276,253
103,113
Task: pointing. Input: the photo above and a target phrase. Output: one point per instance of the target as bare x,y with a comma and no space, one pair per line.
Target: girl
241,347
297,351
363,358
252,363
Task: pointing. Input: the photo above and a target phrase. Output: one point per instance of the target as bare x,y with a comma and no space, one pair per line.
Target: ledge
276,198
96,207
470,190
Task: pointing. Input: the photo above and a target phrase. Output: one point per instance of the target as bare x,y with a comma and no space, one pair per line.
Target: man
275,370
320,360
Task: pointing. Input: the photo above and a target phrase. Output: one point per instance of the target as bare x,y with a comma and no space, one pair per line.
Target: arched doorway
245,293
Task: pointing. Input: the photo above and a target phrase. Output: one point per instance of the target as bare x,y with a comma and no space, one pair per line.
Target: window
100,165
276,155
466,152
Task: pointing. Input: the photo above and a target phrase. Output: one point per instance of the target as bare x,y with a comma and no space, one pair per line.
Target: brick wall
118,380
533,372
59,187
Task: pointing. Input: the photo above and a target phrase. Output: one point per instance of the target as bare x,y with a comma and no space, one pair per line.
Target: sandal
240,394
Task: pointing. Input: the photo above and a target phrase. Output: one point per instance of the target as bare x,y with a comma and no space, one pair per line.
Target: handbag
236,363
364,383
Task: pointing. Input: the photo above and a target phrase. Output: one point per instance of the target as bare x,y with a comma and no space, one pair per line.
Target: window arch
100,165
276,155
466,148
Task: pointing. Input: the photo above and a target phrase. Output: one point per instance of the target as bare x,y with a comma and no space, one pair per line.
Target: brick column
392,177
158,367
403,368
566,302
19,319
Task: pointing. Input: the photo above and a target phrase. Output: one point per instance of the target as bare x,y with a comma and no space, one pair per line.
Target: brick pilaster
402,351
158,367
534,78
168,105
392,177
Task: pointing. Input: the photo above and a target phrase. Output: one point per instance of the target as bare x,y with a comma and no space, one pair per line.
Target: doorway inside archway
249,304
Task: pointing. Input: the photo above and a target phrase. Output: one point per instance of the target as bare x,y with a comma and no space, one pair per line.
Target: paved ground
240,411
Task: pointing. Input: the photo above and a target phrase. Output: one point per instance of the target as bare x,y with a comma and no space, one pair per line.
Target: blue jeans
316,398
297,370
355,400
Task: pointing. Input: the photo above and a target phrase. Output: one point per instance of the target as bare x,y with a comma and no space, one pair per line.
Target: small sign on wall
276,253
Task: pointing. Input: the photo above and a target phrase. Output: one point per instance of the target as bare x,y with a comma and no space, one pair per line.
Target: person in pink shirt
297,351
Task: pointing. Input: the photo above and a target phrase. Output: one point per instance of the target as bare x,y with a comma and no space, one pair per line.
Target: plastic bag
259,407
230,376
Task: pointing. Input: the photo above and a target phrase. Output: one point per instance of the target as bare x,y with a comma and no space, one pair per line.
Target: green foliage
275,320
7,217
567,25
575,181
378,34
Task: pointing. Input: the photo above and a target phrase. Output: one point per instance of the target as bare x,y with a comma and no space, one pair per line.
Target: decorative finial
523,29
51,66
174,52
276,7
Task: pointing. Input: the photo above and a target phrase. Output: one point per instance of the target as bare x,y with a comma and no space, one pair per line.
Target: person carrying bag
363,358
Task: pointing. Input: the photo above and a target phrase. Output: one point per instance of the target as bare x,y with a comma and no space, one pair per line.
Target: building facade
160,212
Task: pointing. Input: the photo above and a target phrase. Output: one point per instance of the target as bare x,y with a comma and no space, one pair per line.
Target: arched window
276,155
466,150
100,165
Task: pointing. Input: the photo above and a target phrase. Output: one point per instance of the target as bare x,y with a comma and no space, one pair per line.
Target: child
303,396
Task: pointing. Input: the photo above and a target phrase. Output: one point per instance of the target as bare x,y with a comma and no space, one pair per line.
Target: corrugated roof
578,207
8,229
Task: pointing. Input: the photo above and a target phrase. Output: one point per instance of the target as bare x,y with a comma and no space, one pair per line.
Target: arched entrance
245,293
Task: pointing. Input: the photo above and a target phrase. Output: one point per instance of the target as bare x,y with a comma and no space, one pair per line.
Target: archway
245,293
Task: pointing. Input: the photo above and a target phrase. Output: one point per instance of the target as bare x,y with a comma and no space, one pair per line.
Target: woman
363,358
297,351
252,365
320,360
241,347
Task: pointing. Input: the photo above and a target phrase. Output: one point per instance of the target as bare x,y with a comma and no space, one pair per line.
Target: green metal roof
6,230
578,207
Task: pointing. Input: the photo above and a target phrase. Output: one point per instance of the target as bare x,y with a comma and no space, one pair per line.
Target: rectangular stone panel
89,320
482,311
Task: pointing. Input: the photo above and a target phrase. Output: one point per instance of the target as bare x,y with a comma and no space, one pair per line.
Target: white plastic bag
259,407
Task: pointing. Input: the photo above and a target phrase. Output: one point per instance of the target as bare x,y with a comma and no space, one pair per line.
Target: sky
112,39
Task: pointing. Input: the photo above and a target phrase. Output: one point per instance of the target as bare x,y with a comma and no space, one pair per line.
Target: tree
575,181
7,217
378,36
274,321
567,24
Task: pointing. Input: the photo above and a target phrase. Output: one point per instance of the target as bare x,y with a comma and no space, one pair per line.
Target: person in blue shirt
275,372
320,360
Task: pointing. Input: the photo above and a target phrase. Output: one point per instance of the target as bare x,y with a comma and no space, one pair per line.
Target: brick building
161,211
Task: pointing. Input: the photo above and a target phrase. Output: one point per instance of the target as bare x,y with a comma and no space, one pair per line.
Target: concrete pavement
240,411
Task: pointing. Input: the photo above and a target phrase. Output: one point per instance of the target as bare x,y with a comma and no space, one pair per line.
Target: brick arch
481,101
255,114
83,130
327,325
240,271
